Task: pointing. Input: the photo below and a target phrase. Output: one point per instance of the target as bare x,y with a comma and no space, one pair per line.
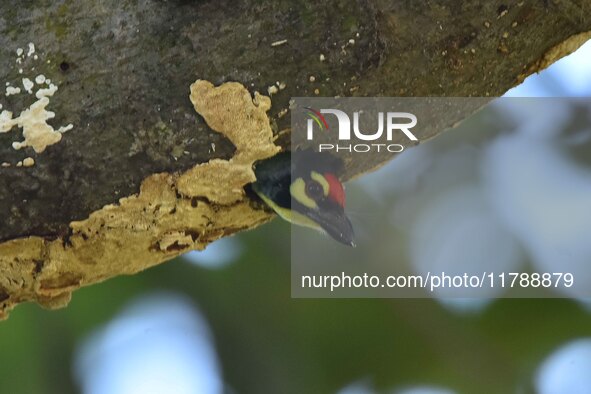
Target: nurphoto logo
395,122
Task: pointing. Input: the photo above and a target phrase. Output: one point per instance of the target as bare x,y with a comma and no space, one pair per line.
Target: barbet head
304,189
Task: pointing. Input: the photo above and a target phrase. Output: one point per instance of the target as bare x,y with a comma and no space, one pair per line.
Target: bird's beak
335,223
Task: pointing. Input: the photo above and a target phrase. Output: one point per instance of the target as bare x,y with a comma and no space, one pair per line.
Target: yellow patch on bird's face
322,180
298,192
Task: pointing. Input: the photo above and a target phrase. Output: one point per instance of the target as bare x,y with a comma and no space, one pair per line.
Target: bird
303,187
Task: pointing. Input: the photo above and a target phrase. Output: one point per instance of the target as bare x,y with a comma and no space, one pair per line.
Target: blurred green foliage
271,343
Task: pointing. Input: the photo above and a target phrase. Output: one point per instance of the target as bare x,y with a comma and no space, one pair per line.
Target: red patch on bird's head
335,189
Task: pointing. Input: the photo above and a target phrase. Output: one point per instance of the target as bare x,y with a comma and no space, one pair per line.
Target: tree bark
146,173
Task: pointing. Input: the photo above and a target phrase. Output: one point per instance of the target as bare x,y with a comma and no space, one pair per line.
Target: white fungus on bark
31,49
11,90
37,133
28,85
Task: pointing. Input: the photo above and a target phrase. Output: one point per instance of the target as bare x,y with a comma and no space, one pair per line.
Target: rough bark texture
124,68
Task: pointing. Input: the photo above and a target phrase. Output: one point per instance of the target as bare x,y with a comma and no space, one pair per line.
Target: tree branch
141,177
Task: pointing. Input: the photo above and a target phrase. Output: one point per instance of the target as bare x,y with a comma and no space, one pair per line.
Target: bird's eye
314,190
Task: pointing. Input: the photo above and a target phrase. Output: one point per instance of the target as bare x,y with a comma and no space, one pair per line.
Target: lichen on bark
173,212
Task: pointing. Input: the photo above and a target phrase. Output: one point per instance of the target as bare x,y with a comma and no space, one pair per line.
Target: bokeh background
223,320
